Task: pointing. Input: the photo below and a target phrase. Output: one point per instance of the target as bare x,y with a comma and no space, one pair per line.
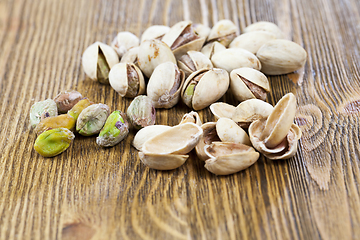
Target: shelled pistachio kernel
141,112
60,121
66,100
77,108
116,128
53,142
92,119
41,110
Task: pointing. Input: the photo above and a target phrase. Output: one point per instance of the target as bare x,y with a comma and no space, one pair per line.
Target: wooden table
93,193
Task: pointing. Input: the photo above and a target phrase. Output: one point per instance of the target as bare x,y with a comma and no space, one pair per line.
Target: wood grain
93,193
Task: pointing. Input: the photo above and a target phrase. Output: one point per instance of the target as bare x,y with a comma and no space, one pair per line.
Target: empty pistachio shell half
41,110
165,84
123,42
127,80
92,119
141,112
281,56
147,133
252,41
192,117
224,31
162,161
251,110
209,136
193,61
265,26
60,121
154,32
131,56
229,131
234,58
152,53
116,128
202,30
212,48
247,83
228,158
204,87
66,100
53,142
221,109
97,60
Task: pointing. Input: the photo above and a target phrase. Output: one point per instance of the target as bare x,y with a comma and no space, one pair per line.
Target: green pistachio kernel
92,119
41,110
189,92
115,129
103,68
53,142
141,112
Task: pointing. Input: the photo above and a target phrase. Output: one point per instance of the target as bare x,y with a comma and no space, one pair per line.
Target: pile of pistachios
197,65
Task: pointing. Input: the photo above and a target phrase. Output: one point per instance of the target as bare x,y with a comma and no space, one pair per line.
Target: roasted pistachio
123,42
252,41
212,48
221,109
209,136
201,30
60,121
131,56
92,119
42,109
154,32
78,107
265,26
224,31
141,112
66,100
147,133
192,117
53,142
229,131
193,61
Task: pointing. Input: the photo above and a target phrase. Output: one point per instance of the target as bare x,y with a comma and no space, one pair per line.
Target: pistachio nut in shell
281,56
265,26
97,60
147,133
251,110
165,84
228,158
234,58
252,41
193,61
221,109
46,108
229,131
116,128
212,48
127,80
123,42
152,53
131,56
209,136
53,142
248,83
141,112
204,87
78,107
192,117
92,119
202,30
160,161
224,31
66,100
154,32
60,121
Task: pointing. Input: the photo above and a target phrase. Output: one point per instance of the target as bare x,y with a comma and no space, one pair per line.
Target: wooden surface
93,193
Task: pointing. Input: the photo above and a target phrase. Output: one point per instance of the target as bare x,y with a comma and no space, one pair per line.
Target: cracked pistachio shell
224,31
212,48
192,117
162,161
234,58
209,136
116,128
247,83
53,142
141,112
127,80
204,87
228,158
92,119
41,110
147,133
154,32
66,100
123,42
202,30
265,26
229,131
60,121
152,53
165,84
193,61
131,56
251,110
252,41
281,56
78,107
97,60
221,109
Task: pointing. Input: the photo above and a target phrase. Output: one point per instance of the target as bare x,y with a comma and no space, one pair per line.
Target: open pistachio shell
265,26
221,109
162,161
229,131
251,110
147,133
193,61
123,42
247,83
192,117
154,32
224,31
252,41
209,136
202,30
212,48
228,158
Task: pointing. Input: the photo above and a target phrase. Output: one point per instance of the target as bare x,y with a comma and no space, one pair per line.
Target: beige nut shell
162,161
131,56
154,32
252,41
192,117
147,133
265,26
199,60
221,109
123,41
229,131
211,48
221,29
209,136
202,30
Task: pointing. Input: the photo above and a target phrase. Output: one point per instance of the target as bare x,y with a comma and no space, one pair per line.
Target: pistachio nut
151,54
53,142
193,61
212,48
147,133
248,83
116,128
127,80
182,38
60,121
228,158
209,136
281,56
201,30
66,100
92,119
141,112
204,87
192,117
229,131
154,32
42,109
221,109
224,31
78,107
123,42
252,41
165,84
265,26
234,58
97,60
251,110
131,56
